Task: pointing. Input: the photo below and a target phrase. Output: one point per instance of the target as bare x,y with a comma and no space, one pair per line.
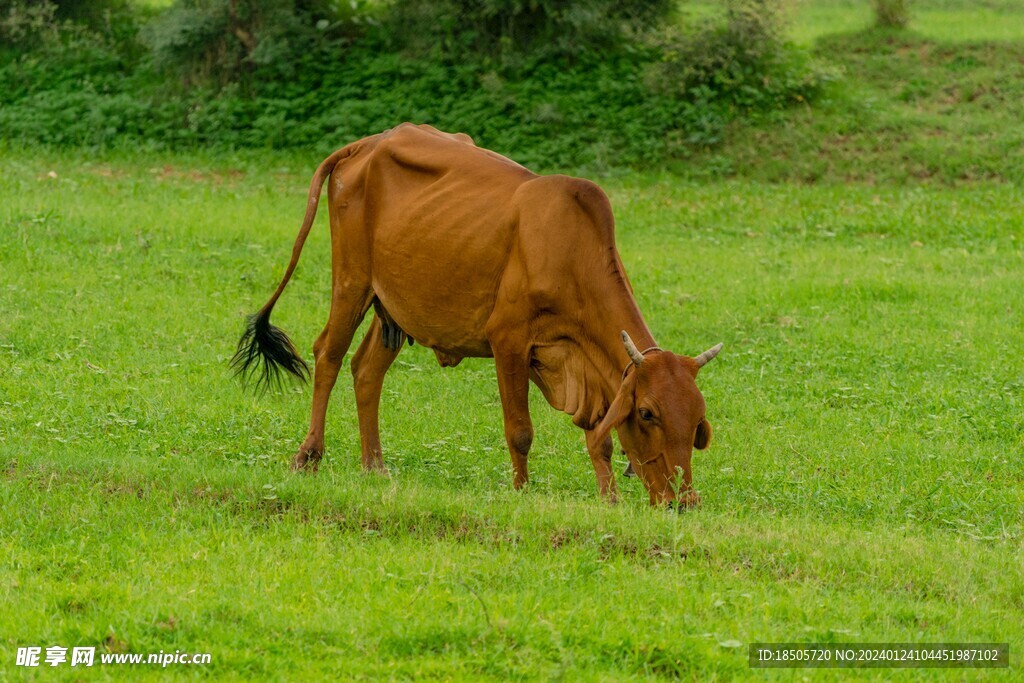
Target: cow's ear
619,410
702,437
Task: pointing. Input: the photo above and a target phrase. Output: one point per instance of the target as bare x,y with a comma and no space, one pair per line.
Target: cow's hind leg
369,365
347,310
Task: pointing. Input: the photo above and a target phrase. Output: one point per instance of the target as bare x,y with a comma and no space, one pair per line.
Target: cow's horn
634,355
704,358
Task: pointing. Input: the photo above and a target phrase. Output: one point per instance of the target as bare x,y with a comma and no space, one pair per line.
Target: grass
938,103
865,484
909,110
942,20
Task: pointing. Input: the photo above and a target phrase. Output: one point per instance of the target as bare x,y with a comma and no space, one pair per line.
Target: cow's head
658,413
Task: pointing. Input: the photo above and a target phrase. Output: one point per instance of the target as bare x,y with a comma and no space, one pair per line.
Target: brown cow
470,254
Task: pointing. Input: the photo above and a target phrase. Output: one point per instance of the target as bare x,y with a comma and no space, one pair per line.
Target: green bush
50,27
224,41
739,60
554,84
22,14
24,25
892,13
93,13
509,32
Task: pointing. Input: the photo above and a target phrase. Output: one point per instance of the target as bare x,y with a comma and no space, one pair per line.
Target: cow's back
433,217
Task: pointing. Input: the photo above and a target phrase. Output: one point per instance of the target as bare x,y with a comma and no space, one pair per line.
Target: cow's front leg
369,366
514,388
601,457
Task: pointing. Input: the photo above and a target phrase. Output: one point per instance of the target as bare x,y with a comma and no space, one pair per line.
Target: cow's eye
646,415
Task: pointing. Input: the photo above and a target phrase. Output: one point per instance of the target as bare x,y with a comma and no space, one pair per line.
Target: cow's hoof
377,468
307,460
690,499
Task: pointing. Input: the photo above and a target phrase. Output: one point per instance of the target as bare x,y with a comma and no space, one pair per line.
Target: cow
467,253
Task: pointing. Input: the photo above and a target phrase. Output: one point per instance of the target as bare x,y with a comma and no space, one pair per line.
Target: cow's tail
264,350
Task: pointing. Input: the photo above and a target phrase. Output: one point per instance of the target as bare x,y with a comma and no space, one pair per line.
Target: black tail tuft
265,350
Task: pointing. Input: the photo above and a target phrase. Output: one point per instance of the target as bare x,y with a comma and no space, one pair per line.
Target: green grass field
866,482
948,20
920,106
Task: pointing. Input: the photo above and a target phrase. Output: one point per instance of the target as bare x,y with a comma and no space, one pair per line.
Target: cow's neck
613,358
580,369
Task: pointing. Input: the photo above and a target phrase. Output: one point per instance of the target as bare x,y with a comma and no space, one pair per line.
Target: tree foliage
224,41
553,82
510,30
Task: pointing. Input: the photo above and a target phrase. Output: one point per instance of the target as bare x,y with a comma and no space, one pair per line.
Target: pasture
865,482
947,20
862,262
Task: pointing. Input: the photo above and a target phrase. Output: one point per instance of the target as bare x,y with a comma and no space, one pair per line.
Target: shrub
740,60
27,25
552,83
34,15
892,13
90,12
223,41
23,25
509,32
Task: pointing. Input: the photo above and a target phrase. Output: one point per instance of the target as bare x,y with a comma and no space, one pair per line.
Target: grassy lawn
946,20
862,260
865,483
908,110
